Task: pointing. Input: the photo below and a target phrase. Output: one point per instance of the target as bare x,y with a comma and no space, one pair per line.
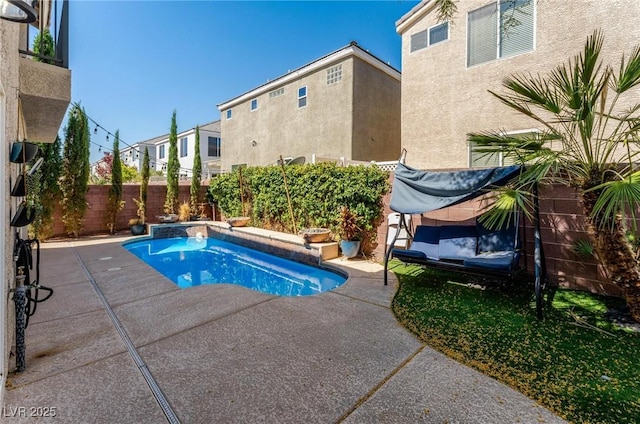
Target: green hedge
317,192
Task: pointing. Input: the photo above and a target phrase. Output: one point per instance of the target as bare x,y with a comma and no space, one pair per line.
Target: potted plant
240,221
138,225
349,232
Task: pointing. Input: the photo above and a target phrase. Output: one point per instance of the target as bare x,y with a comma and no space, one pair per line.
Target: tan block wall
356,118
97,196
279,127
376,114
562,223
443,100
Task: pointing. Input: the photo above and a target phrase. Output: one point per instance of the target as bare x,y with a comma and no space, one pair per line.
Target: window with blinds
419,40
500,29
434,35
479,159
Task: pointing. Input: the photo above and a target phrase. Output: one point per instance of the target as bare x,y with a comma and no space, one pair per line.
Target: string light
135,150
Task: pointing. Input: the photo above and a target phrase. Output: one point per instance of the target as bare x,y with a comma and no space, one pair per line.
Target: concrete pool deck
223,353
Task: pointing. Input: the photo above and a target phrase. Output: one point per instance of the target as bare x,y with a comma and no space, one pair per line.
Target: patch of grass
574,362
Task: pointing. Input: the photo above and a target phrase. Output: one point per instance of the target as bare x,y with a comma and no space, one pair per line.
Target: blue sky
134,62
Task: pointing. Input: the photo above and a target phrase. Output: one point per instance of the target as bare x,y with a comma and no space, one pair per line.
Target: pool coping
289,246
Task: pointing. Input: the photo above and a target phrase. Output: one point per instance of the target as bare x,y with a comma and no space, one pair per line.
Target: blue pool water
192,262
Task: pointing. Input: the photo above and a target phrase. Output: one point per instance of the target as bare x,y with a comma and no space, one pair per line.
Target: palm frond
505,203
629,73
617,198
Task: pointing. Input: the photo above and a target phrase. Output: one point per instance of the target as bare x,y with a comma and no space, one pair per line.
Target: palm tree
589,139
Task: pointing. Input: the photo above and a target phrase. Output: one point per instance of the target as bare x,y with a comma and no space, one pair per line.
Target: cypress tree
142,204
173,169
116,203
75,170
48,188
196,176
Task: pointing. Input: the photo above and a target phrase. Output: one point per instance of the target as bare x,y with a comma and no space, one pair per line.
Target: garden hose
24,254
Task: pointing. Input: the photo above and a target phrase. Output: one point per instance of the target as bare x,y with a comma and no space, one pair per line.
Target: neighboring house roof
210,126
351,50
417,12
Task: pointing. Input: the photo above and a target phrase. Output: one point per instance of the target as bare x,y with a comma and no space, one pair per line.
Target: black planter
23,216
19,188
23,151
138,229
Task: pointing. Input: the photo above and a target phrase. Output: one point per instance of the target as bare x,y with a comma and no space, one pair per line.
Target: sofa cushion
496,240
499,261
457,242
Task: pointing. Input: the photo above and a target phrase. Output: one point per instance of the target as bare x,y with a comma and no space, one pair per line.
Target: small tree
115,202
103,170
43,46
196,178
591,111
173,169
75,170
48,189
142,202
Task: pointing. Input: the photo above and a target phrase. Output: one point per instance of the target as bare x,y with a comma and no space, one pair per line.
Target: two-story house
35,91
210,150
134,155
448,67
343,105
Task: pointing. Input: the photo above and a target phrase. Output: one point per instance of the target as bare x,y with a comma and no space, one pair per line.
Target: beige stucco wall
443,100
376,114
279,127
9,33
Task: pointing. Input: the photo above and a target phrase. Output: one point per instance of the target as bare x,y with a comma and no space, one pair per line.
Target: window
214,146
429,37
500,29
161,152
302,96
419,40
183,147
276,93
478,159
228,114
439,33
334,74
254,104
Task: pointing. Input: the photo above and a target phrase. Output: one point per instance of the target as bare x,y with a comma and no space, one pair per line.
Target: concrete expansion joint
382,382
130,347
368,302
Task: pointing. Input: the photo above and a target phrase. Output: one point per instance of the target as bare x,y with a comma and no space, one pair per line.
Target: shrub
317,192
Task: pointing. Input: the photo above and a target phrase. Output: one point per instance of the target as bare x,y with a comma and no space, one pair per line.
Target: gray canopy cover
416,191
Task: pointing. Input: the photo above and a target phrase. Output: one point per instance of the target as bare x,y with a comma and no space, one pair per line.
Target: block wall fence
95,223
561,219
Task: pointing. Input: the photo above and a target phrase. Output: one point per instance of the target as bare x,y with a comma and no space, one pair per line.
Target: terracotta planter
315,235
167,218
239,221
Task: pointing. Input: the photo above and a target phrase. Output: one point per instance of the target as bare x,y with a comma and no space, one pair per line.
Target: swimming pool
194,261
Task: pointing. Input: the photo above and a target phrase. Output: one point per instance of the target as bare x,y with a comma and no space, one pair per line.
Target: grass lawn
574,362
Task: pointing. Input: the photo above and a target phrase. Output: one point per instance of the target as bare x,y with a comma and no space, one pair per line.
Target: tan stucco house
343,105
34,96
448,67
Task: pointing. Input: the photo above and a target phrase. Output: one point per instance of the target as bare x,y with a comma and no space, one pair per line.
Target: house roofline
353,49
161,138
417,12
